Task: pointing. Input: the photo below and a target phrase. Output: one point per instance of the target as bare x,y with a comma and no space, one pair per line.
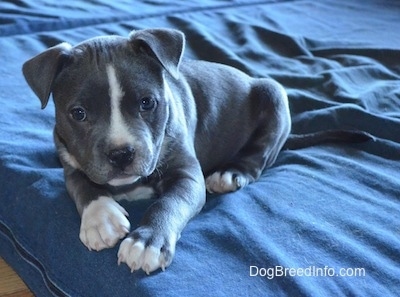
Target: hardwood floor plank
10,284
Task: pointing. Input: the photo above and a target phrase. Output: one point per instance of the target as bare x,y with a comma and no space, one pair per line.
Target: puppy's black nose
121,157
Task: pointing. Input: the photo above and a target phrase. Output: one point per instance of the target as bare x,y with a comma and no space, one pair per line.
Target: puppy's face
111,112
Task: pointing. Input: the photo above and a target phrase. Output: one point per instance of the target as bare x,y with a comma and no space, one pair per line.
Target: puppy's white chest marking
119,130
138,193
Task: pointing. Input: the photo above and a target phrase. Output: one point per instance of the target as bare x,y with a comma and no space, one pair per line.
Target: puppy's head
111,98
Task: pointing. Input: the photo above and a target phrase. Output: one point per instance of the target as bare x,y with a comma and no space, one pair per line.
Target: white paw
225,182
103,223
139,255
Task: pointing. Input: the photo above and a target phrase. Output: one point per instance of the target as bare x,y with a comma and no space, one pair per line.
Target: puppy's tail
297,141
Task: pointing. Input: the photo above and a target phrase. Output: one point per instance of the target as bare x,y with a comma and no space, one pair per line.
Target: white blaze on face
119,131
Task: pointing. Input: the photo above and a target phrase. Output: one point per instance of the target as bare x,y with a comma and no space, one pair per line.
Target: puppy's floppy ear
167,45
41,71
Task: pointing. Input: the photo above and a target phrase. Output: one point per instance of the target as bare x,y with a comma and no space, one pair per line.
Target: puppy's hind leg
271,109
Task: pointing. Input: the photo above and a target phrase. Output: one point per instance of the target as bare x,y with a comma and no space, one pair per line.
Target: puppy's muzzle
121,158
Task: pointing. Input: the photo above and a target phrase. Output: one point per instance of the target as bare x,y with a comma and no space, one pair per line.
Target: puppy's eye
147,103
78,114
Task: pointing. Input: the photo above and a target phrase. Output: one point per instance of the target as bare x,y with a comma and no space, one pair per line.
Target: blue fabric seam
51,285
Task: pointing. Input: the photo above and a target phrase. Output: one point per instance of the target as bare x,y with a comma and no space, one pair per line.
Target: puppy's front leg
103,221
152,245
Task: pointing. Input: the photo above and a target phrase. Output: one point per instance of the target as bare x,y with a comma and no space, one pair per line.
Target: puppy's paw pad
103,223
224,182
148,252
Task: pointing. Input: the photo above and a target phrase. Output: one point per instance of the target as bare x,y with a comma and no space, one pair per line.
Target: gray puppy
134,121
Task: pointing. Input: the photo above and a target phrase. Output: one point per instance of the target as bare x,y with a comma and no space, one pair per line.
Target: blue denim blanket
323,221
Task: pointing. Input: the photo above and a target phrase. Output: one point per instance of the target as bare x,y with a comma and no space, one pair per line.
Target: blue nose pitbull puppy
134,121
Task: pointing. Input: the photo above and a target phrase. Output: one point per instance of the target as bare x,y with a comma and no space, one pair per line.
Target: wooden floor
10,284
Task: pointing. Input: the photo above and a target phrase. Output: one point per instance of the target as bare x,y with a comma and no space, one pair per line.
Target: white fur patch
68,158
103,223
119,130
123,181
138,193
65,45
224,182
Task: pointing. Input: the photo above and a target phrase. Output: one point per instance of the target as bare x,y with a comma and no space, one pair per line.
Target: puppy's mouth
128,176
123,180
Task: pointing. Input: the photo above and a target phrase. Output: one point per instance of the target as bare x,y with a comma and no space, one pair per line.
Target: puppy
134,121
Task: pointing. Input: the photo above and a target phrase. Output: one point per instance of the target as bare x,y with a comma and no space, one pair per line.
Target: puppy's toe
224,182
131,253
147,250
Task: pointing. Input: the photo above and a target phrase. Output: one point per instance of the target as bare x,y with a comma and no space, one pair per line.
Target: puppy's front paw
146,249
224,182
103,223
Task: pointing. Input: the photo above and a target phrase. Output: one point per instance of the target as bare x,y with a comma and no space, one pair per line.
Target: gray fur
210,120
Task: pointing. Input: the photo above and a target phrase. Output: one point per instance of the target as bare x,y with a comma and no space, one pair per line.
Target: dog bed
323,221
